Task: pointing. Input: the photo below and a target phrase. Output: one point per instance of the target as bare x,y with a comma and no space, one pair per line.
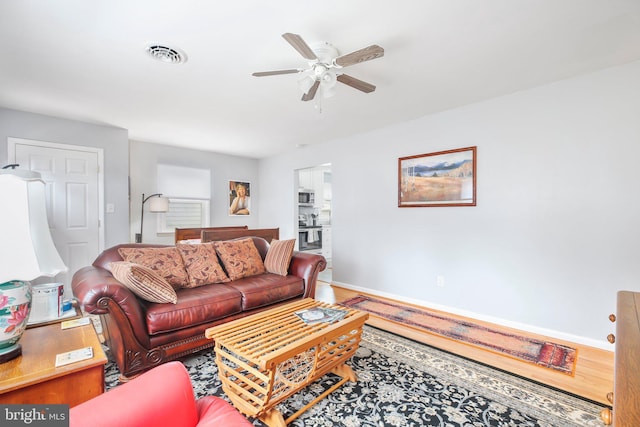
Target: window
189,193
184,213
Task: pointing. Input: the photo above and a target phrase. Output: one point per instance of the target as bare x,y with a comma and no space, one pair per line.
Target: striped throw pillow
279,256
143,282
166,262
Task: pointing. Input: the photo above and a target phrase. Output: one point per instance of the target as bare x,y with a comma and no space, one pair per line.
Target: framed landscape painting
445,178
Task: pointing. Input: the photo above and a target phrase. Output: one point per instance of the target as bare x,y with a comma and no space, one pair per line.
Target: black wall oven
310,238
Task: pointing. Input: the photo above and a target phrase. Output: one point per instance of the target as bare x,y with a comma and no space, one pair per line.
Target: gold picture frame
443,178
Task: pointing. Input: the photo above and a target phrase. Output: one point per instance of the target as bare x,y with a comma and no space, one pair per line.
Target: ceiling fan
325,67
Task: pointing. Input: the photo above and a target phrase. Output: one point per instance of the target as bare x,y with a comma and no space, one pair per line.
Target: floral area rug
542,353
404,383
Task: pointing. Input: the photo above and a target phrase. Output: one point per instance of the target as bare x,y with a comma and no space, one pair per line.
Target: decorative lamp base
15,306
9,353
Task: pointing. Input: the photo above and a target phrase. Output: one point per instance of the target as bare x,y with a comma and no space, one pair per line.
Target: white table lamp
26,253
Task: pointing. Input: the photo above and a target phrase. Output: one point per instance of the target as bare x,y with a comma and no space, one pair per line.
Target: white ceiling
85,60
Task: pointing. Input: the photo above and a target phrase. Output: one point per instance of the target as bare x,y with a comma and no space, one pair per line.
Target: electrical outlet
440,281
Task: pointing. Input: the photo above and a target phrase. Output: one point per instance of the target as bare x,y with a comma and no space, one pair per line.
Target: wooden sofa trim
195,233
215,235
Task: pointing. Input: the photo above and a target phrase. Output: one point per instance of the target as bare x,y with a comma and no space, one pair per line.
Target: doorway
74,198
313,213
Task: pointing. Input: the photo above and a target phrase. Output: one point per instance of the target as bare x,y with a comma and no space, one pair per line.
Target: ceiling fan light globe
328,92
328,79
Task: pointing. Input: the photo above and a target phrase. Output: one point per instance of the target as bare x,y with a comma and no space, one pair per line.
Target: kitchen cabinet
326,244
314,180
305,179
318,188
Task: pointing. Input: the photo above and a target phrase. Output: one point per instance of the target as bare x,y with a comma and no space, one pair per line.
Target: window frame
205,215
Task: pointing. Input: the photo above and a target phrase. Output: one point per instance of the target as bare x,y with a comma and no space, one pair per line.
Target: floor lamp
26,253
157,204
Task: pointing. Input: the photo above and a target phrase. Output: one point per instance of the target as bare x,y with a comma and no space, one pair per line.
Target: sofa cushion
201,263
195,306
240,258
167,262
279,256
143,282
267,288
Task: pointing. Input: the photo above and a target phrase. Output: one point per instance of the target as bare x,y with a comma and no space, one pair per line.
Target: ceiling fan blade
300,45
366,54
312,92
355,83
275,73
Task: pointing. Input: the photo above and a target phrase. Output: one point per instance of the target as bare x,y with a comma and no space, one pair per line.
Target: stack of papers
67,324
74,356
320,314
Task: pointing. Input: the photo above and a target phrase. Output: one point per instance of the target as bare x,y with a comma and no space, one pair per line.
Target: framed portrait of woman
239,198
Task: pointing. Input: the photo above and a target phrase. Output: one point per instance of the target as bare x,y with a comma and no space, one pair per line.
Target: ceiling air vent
166,54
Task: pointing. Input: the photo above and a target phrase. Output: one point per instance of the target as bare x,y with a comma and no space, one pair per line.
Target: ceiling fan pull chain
318,103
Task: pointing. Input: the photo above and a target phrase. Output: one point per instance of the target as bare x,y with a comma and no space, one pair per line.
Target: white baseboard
603,345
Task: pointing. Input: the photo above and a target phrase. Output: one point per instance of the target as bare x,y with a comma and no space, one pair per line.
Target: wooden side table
33,377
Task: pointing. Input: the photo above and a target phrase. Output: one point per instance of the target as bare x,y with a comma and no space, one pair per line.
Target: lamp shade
26,253
26,247
158,204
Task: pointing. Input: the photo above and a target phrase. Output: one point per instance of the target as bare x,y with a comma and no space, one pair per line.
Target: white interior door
73,198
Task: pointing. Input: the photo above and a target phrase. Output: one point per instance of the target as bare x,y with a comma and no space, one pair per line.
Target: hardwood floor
593,377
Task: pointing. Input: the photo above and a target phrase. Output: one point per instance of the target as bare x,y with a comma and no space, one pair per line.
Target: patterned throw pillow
240,258
167,262
201,262
279,256
143,282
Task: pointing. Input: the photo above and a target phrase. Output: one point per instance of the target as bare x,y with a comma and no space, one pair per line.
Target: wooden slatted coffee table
265,358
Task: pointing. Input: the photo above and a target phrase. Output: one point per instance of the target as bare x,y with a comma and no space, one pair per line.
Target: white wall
554,235
114,141
146,156
553,238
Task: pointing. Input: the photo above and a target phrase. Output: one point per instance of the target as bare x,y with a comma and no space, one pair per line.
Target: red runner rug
547,354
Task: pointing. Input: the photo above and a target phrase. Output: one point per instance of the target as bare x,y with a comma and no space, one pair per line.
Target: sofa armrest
307,266
100,293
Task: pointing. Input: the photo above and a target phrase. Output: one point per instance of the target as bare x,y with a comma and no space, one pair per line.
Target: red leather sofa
142,334
162,396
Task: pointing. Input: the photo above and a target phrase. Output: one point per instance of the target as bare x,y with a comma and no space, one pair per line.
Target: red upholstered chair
162,396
